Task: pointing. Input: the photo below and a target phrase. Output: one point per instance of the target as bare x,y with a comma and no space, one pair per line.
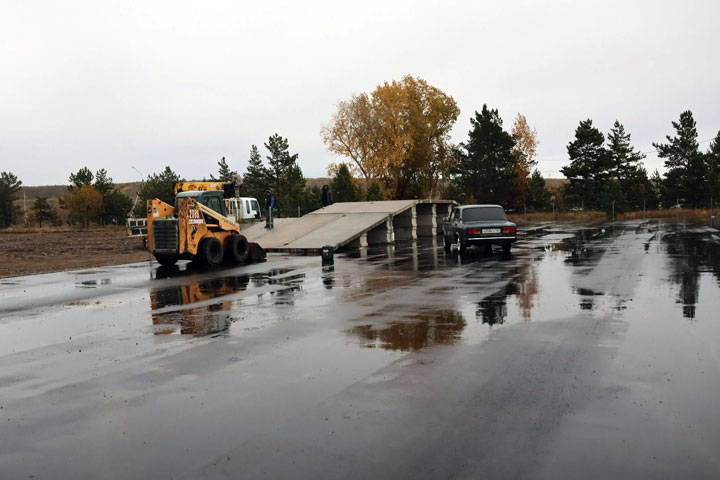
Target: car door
448,227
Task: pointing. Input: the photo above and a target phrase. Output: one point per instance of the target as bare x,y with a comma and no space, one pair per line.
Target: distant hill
56,191
53,192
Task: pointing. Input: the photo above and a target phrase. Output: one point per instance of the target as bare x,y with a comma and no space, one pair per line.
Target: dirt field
41,251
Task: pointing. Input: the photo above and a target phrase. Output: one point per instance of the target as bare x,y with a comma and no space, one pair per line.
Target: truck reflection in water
441,327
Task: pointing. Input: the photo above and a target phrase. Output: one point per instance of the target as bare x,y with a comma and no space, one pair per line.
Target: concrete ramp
357,224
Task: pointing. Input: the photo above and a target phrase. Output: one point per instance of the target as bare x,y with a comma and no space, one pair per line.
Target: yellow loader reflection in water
212,319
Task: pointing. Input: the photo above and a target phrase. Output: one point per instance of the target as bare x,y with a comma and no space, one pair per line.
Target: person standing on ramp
269,206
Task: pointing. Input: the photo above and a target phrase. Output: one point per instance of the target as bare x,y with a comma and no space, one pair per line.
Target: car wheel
461,247
506,247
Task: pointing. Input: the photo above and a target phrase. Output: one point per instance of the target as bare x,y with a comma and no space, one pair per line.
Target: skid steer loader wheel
238,249
211,252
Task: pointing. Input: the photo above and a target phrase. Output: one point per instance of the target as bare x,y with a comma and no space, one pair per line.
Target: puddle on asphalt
693,256
93,283
200,315
90,272
414,296
427,328
535,285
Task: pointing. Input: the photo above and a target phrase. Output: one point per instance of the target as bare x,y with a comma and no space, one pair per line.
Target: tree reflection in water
691,252
439,327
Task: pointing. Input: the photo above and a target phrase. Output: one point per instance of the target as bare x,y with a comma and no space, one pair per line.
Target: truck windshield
480,214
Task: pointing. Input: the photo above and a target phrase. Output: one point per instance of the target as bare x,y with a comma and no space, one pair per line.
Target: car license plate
491,230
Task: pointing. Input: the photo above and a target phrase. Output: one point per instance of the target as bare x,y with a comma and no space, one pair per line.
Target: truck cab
243,208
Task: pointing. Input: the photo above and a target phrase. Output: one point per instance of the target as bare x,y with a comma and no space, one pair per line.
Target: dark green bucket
328,252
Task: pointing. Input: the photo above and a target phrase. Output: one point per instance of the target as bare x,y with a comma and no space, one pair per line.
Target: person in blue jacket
269,205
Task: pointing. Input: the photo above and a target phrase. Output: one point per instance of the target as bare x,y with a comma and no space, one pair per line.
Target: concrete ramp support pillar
443,210
359,242
426,219
405,224
381,234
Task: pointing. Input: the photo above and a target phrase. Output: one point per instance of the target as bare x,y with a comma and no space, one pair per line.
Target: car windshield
480,214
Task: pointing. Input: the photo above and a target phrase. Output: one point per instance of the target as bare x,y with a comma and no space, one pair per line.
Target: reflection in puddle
428,328
93,283
209,317
692,253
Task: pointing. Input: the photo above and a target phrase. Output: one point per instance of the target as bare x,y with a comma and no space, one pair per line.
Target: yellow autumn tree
83,203
399,135
523,157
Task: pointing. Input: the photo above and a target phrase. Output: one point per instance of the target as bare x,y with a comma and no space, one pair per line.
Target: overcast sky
150,83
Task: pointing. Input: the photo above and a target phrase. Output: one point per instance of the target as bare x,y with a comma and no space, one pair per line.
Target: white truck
242,209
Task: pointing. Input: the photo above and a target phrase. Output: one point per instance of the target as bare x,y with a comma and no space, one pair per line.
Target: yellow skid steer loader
196,228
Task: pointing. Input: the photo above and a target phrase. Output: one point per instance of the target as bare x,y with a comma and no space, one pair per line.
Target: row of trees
607,173
397,142
495,166
94,198
90,198
41,210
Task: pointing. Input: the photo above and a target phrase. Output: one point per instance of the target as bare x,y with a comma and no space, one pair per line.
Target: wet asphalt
591,351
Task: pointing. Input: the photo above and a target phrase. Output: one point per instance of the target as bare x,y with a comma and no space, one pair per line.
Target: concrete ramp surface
357,224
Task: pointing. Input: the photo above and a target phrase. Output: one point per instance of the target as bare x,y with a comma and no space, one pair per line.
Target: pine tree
280,159
291,194
83,177
257,179
588,169
160,186
623,160
103,183
285,176
539,195
484,169
374,192
224,173
9,186
342,186
625,167
655,194
713,163
686,178
43,211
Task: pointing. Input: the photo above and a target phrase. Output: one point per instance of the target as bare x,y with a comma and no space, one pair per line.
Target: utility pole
24,209
613,211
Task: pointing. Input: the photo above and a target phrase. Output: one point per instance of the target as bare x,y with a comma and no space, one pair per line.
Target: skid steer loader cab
213,199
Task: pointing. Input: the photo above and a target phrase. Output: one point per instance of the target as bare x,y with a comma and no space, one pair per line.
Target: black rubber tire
448,244
462,248
211,252
238,249
506,247
166,259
